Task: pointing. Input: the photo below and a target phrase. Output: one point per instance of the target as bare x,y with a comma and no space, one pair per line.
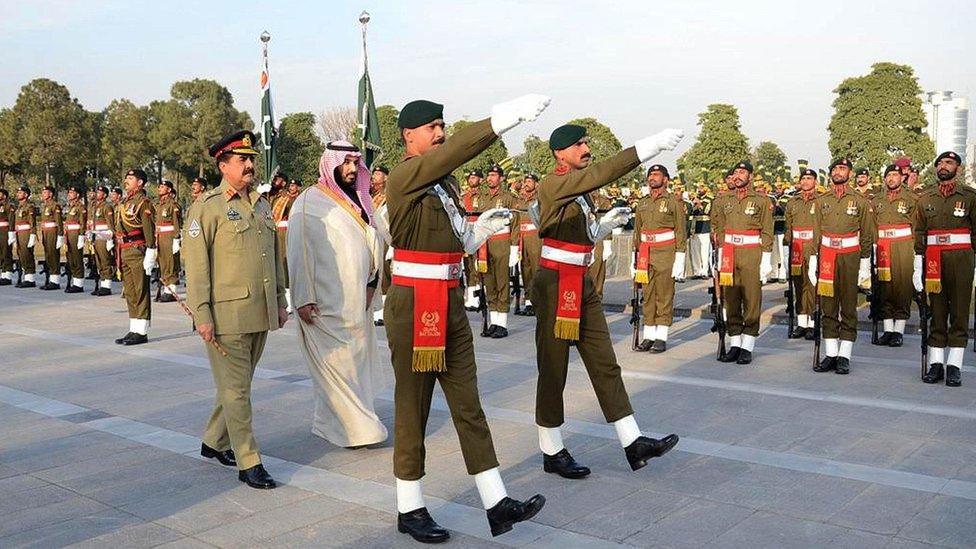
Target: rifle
482,301
20,272
874,312
516,277
158,280
817,314
635,314
923,322
717,307
790,304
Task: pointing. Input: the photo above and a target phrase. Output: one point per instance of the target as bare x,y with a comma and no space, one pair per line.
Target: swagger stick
190,314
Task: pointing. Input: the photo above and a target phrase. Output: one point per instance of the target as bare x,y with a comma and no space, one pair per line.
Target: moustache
439,141
248,171
586,155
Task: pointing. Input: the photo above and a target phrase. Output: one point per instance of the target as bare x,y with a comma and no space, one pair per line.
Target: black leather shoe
122,340
508,511
528,311
884,339
74,290
934,375
842,366
827,364
645,448
99,292
563,464
421,527
659,346
798,332
257,477
953,376
499,332
731,355
379,322
644,346
490,332
167,298
745,357
472,310
896,340
5,282
51,286
135,339
808,335
225,458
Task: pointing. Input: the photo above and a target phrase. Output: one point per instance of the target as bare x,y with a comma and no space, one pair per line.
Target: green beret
809,173
745,165
862,171
565,136
950,155
892,168
417,113
841,162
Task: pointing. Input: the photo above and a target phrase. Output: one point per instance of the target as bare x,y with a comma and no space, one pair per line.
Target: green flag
268,132
366,109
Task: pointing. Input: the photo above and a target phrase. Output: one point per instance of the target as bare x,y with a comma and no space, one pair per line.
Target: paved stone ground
98,445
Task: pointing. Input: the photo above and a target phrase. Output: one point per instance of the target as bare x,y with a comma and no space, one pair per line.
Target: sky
637,66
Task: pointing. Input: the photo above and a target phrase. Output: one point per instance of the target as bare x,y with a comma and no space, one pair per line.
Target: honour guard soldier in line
169,223
8,239
101,215
500,250
52,237
197,188
568,308
135,233
660,241
377,189
800,216
896,215
25,225
529,244
236,294
862,183
781,260
74,233
702,231
726,190
281,210
943,267
843,233
744,225
426,326
474,200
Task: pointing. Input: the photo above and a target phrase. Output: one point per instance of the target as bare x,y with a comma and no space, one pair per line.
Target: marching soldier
843,233
745,233
568,308
135,236
660,241
943,267
426,326
74,235
51,226
102,235
8,239
862,183
25,225
281,210
169,222
800,216
474,200
895,213
236,294
499,251
529,244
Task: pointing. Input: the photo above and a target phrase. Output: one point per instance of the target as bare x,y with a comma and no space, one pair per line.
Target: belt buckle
836,242
453,271
588,257
942,239
736,239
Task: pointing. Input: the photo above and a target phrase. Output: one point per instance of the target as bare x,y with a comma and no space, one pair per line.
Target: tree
770,160
10,158
719,146
52,130
338,124
494,153
299,147
125,137
537,157
390,138
878,117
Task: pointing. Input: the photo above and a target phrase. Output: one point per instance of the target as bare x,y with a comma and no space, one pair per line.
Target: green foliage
390,138
10,155
299,147
537,157
51,128
720,144
878,117
124,137
771,161
495,153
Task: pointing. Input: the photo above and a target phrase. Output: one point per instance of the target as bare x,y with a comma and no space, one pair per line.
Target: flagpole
267,114
363,21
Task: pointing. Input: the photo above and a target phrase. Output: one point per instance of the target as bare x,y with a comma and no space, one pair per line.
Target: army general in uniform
236,294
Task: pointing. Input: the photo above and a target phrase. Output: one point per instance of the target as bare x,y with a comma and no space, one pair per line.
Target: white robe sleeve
301,260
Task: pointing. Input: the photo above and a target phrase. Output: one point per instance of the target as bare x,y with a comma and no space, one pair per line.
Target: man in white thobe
333,261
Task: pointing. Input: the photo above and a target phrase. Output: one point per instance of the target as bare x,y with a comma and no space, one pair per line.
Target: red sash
642,276
430,300
570,296
728,253
828,260
884,248
933,257
796,251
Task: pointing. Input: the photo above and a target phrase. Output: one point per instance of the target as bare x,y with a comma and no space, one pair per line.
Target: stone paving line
460,518
783,460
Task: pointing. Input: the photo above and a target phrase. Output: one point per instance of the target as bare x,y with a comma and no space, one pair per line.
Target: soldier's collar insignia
233,214
194,229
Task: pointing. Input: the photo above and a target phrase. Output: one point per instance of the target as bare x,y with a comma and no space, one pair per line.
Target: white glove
59,242
864,272
917,274
176,245
765,266
32,240
649,147
389,253
812,270
678,270
263,188
488,223
109,244
614,218
513,256
607,249
11,238
507,115
149,261
633,266
81,242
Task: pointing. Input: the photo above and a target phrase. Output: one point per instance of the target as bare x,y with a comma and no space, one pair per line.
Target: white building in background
948,118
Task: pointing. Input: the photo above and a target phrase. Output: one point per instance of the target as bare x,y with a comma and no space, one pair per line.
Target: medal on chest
47,211
663,207
130,210
959,210
474,202
750,208
851,208
902,208
813,209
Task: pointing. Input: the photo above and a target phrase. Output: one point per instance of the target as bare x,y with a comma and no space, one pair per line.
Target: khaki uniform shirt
753,211
956,211
135,213
851,213
168,213
667,211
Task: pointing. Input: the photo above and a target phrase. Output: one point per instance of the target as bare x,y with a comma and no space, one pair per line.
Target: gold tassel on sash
725,279
567,328
426,359
641,277
825,288
933,285
884,274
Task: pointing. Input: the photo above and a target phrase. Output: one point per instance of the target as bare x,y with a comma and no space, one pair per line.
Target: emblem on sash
569,298
430,319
